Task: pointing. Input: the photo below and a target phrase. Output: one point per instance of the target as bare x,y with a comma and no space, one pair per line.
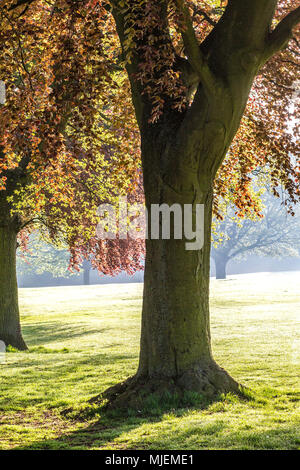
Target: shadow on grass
50,332
111,424
168,424
59,362
122,432
107,425
56,373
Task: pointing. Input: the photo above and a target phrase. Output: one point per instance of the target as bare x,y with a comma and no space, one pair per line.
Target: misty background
240,246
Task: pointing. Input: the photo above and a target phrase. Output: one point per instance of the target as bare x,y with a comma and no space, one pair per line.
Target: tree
189,99
276,234
191,66
37,257
86,272
58,142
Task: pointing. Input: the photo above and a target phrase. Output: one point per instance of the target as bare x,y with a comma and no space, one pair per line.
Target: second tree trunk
10,329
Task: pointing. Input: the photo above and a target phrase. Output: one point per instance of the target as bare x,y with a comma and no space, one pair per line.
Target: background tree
86,266
277,234
40,257
37,257
59,151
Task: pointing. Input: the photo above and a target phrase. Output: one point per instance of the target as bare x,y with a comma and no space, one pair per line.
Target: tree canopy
65,145
90,81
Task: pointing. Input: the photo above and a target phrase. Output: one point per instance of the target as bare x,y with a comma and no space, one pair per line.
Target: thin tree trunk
10,328
86,274
221,264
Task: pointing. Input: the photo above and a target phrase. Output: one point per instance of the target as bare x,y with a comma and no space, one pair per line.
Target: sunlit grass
84,339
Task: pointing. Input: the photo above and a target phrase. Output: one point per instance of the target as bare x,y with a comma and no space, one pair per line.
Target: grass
84,339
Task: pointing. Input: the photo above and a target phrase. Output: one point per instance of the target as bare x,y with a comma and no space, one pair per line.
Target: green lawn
84,339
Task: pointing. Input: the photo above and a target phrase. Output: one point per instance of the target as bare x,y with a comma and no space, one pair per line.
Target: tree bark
179,166
10,328
175,354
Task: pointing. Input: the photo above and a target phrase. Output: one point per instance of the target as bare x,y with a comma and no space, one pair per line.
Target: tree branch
199,11
193,51
283,32
20,3
132,67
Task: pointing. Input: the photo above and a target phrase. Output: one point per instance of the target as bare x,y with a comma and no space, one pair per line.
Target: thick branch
193,51
131,67
20,3
283,32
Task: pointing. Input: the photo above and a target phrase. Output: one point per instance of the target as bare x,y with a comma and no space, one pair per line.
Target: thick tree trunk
175,322
221,264
175,353
10,328
181,154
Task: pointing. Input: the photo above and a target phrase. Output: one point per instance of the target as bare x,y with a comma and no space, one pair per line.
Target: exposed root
16,341
208,380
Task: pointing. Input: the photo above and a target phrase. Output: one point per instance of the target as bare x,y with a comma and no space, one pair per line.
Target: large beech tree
188,106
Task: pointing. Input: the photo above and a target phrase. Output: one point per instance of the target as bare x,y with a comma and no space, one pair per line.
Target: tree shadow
50,332
112,423
110,426
57,372
53,359
203,435
93,436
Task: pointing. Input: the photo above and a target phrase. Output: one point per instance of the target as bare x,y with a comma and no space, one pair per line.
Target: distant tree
41,257
37,257
86,267
276,234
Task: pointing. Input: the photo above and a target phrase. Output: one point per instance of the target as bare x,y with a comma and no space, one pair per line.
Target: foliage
64,137
159,41
82,82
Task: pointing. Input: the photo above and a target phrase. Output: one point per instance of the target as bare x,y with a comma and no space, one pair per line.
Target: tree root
208,381
16,341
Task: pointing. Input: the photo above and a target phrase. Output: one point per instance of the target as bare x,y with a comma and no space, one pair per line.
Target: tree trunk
175,353
10,328
181,155
221,263
86,273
